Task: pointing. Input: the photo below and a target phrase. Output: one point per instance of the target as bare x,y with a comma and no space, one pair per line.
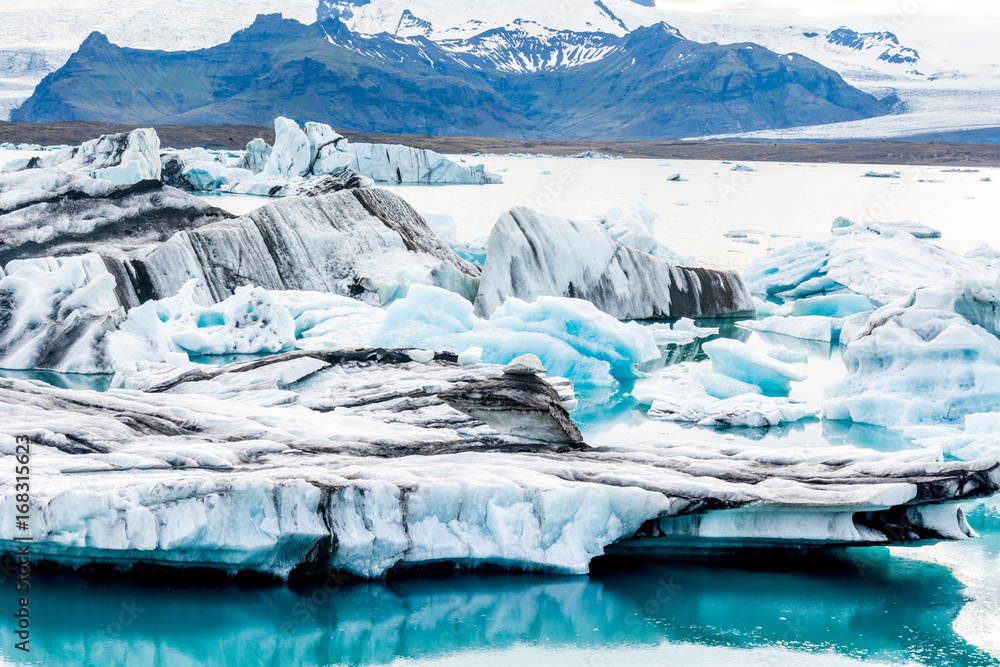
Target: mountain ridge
651,83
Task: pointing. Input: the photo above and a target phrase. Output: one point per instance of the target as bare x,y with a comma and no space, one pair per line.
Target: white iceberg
677,401
752,365
532,254
883,265
918,363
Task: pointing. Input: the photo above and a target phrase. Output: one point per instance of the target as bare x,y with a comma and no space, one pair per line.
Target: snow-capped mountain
37,38
930,81
651,83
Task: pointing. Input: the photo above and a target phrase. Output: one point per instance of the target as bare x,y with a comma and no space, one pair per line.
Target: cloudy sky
956,19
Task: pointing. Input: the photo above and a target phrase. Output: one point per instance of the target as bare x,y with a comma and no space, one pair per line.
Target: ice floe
752,365
315,160
678,401
881,262
917,364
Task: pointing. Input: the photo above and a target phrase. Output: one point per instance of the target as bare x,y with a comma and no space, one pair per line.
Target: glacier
305,462
532,254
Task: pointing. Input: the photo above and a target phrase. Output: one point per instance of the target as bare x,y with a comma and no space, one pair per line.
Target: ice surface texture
676,401
352,461
572,337
532,254
881,262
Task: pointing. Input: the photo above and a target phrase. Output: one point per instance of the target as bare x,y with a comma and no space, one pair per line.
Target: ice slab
752,365
352,461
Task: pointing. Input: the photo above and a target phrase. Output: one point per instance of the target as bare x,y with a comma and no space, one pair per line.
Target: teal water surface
866,607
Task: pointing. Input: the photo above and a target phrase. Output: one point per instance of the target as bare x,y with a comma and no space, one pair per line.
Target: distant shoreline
235,137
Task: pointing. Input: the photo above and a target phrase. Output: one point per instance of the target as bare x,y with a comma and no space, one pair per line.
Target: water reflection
866,606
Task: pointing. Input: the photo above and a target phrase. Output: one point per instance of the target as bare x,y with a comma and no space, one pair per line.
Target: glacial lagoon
929,605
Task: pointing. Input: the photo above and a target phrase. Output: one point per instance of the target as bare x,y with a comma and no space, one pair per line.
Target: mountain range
514,81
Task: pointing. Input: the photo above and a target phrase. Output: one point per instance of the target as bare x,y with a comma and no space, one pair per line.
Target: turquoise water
867,607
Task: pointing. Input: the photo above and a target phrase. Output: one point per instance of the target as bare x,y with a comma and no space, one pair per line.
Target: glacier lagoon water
930,605
868,607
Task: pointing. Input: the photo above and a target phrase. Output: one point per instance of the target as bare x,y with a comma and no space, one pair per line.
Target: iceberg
751,365
572,338
249,322
256,156
532,254
359,247
314,161
122,159
917,365
79,216
54,314
308,462
637,229
804,327
367,244
978,438
883,264
677,401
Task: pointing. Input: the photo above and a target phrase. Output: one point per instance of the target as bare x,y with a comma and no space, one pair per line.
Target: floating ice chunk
532,254
571,337
526,364
54,313
290,157
917,363
249,322
675,401
390,163
368,244
916,229
292,474
742,167
807,327
256,156
471,357
877,174
882,265
722,386
330,321
751,365
682,332
421,356
980,438
787,355
122,159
